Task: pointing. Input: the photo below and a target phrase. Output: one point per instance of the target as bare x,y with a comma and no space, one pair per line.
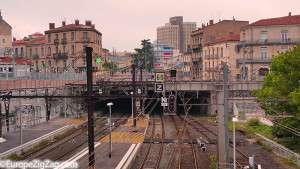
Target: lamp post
109,123
234,119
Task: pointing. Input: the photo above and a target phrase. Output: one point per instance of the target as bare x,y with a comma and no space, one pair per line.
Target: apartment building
176,33
216,52
263,39
207,34
64,46
31,48
5,38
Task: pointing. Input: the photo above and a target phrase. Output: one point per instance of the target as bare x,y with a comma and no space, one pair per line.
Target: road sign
159,87
159,76
164,101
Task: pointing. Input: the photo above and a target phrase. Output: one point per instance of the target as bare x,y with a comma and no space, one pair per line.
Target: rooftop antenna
219,13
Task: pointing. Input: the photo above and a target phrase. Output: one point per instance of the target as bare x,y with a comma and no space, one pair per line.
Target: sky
124,23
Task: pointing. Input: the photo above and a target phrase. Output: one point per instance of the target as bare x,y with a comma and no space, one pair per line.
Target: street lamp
109,123
234,119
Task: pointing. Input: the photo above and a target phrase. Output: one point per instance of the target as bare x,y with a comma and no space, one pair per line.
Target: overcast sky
124,23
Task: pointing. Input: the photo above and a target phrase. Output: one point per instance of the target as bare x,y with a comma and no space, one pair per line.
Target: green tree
109,65
144,56
283,81
213,162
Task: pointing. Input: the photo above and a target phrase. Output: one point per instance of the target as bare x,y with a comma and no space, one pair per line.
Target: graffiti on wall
5,52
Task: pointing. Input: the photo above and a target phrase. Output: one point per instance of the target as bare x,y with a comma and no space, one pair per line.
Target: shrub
213,162
253,122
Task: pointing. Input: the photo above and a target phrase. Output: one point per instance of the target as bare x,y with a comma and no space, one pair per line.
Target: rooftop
17,61
286,20
230,37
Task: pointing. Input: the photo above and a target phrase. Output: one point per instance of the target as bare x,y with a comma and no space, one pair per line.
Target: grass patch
61,135
13,157
36,147
291,161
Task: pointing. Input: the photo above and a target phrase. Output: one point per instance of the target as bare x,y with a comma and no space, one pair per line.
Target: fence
281,150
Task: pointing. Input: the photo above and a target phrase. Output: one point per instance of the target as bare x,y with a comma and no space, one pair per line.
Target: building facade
176,33
64,46
263,39
207,34
5,38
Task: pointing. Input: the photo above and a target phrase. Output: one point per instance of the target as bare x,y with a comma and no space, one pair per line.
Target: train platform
53,126
126,142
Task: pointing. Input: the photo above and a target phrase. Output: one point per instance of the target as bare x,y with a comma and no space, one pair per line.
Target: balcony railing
60,55
56,41
199,46
64,41
35,56
267,60
207,56
85,40
271,41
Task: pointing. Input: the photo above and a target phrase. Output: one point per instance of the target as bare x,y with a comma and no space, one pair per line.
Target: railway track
146,161
187,149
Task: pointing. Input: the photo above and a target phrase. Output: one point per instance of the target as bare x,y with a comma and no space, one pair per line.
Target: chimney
211,22
88,23
290,13
63,23
206,24
14,39
76,22
51,26
93,26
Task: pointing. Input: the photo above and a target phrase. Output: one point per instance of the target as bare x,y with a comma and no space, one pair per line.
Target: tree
144,56
109,65
283,81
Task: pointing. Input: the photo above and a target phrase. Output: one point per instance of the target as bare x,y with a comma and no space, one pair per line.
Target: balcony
35,56
268,60
199,46
56,41
64,41
60,55
85,40
270,41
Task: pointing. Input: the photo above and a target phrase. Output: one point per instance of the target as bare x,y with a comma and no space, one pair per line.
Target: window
49,64
56,49
73,49
3,40
64,49
22,52
85,35
49,38
72,36
64,35
16,51
263,53
42,51
221,52
263,36
49,50
284,36
244,36
56,36
36,51
284,48
73,63
65,63
30,52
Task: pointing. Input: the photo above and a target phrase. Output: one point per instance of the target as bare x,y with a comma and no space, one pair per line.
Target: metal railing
56,41
85,39
64,41
35,56
280,150
272,41
266,60
60,55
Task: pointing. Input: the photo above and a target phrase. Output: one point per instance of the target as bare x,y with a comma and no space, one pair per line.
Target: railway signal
172,103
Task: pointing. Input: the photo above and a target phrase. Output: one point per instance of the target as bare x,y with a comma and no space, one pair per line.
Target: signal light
172,103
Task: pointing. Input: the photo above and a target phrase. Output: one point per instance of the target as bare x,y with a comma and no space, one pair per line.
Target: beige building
263,39
121,59
5,38
176,33
64,46
216,52
206,35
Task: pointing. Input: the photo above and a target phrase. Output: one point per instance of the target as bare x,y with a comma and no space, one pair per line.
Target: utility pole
223,142
89,74
0,121
133,94
6,106
21,139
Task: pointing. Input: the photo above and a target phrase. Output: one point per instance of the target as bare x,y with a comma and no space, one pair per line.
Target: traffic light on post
172,103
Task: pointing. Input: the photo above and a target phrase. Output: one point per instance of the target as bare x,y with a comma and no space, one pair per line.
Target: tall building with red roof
5,38
261,40
64,46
